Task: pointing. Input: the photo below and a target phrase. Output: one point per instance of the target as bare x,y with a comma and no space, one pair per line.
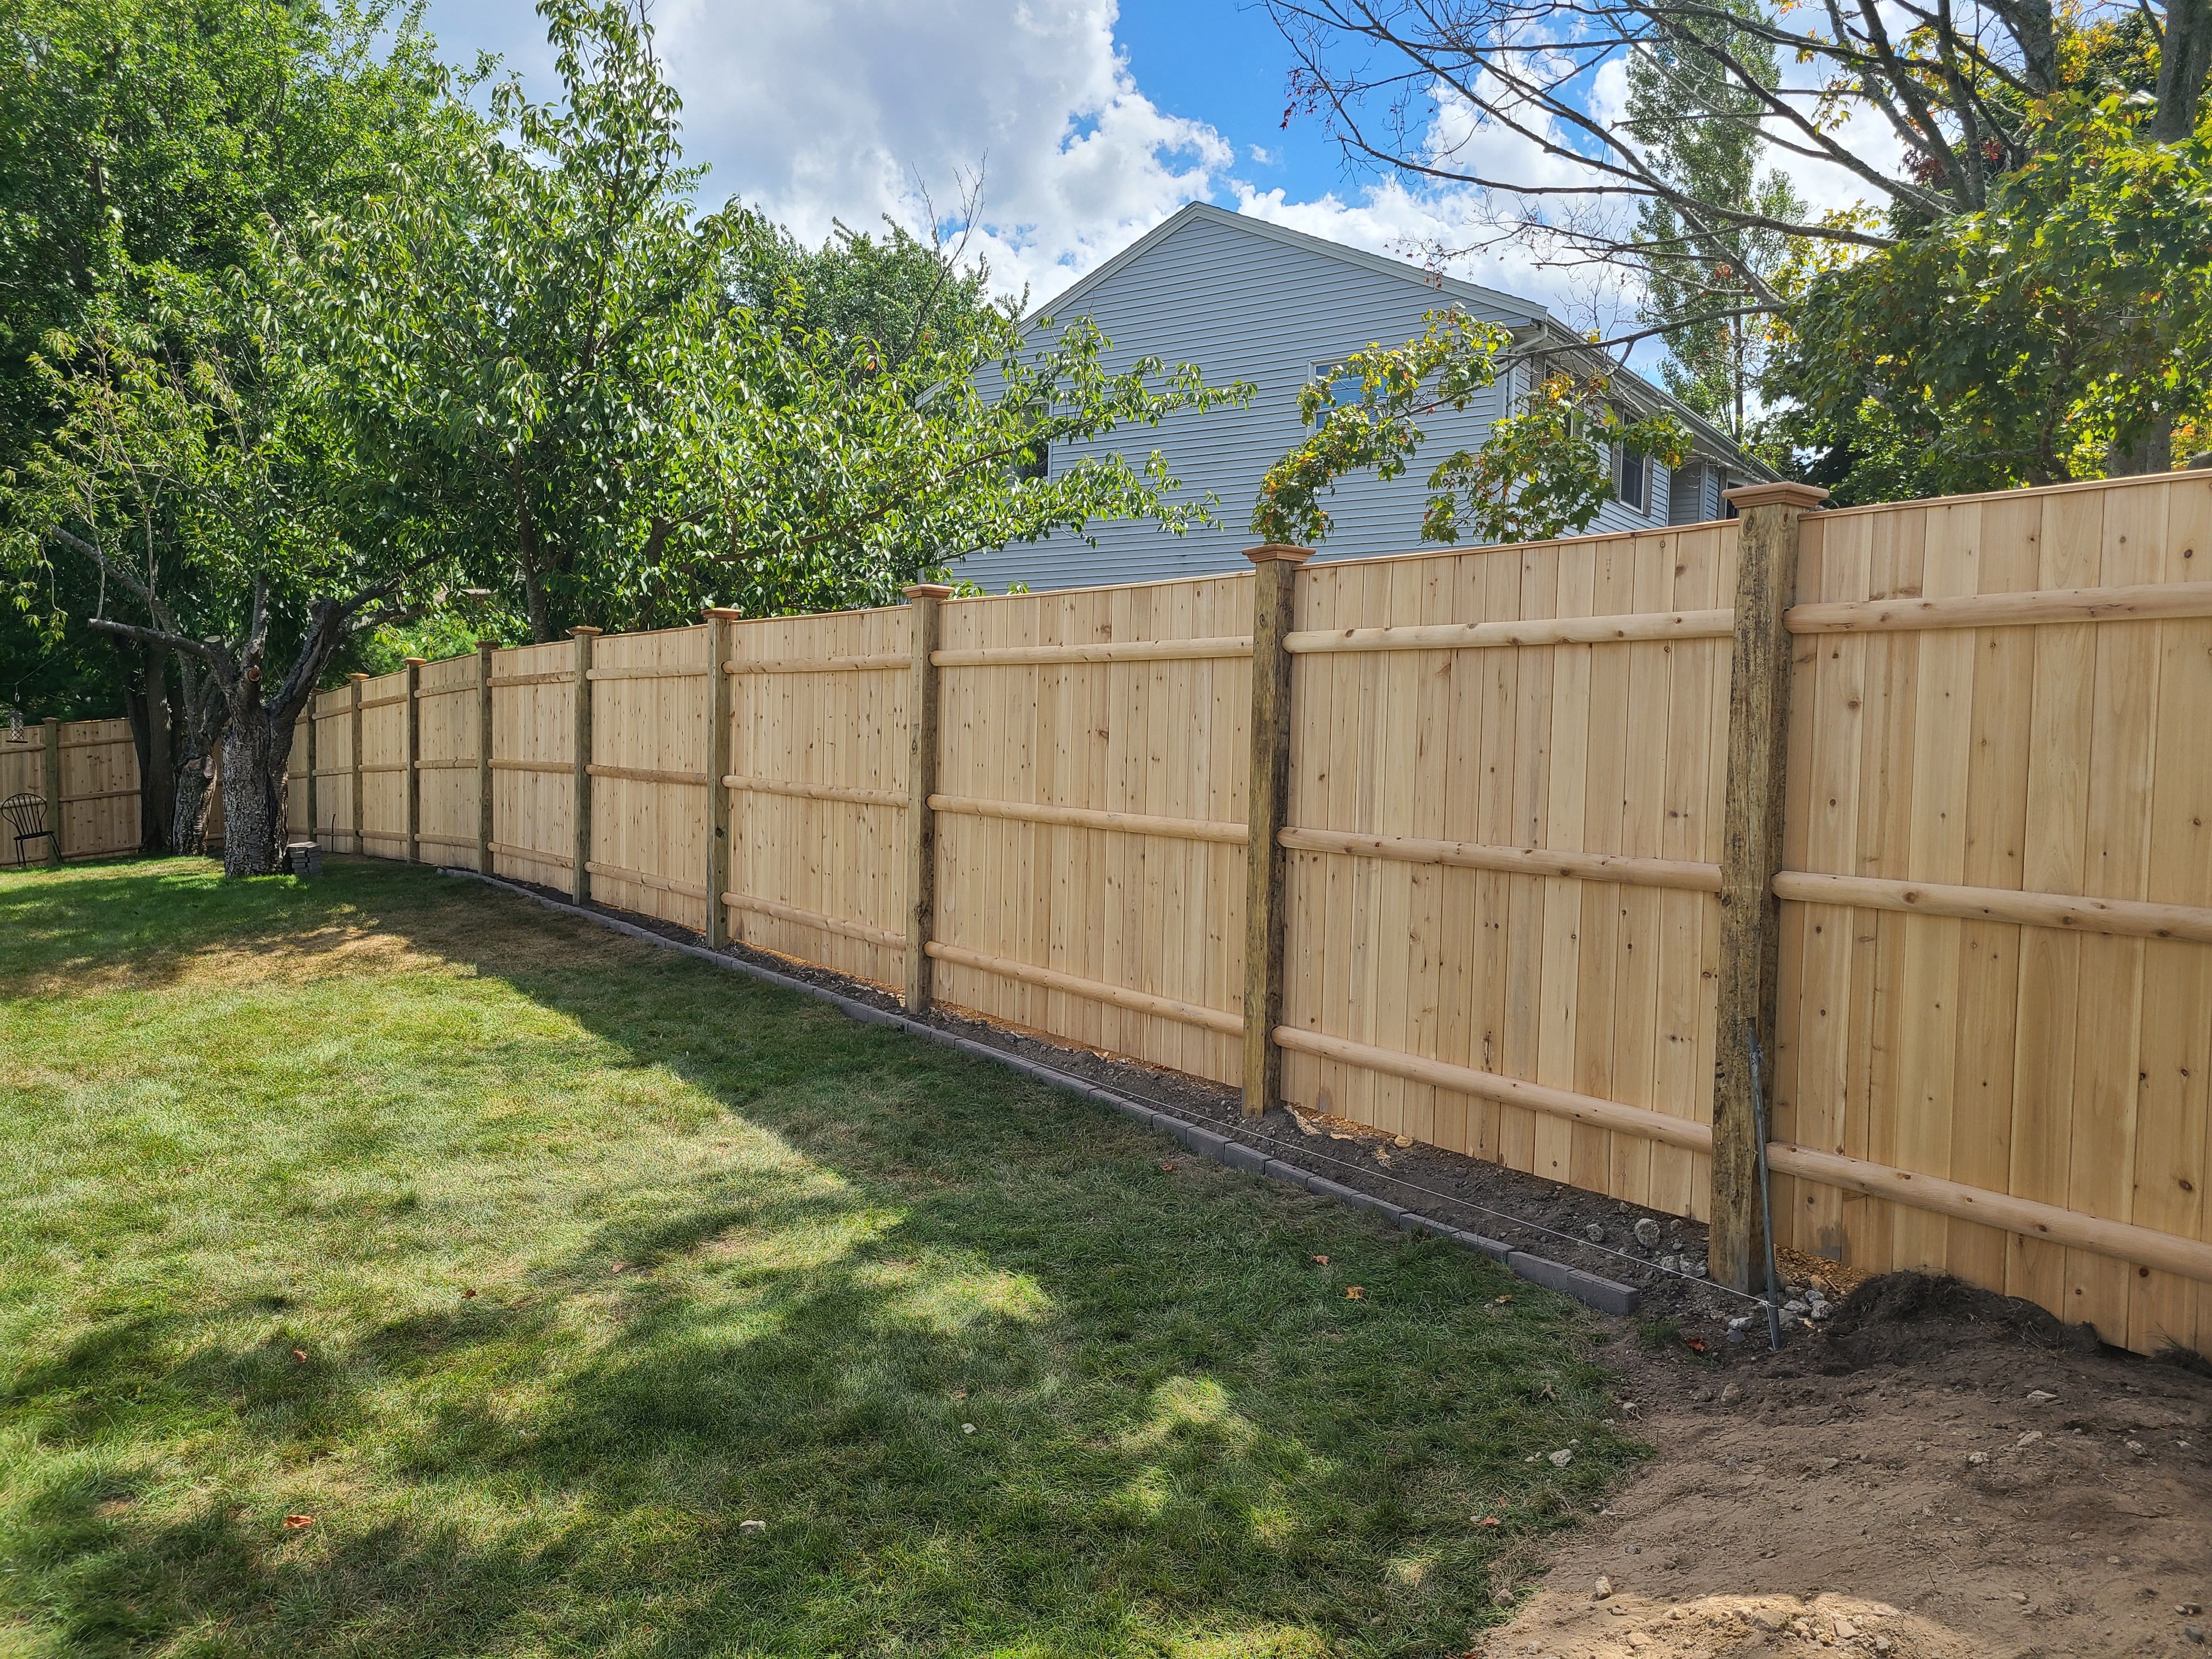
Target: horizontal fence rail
1514,851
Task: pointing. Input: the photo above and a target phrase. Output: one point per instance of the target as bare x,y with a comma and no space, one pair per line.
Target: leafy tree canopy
2063,331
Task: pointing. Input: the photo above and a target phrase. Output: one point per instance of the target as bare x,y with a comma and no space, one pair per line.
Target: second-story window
1631,478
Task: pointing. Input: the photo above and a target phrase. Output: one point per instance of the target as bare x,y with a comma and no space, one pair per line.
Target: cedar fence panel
332,713
1044,905
649,701
446,782
1430,790
533,715
98,804
817,782
383,828
1965,766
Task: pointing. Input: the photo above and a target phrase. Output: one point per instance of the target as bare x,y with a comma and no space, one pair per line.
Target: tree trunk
256,762
188,808
2152,453
149,732
2184,62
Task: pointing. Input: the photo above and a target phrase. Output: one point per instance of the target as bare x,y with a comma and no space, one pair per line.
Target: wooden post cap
724,612
584,628
1781,493
928,591
488,645
1277,553
357,676
417,662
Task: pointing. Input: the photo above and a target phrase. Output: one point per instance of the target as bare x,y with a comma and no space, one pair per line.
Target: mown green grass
530,1261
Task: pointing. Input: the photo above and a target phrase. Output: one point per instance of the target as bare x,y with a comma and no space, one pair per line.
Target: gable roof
1539,323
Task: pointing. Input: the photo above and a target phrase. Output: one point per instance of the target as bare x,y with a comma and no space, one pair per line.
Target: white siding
1245,305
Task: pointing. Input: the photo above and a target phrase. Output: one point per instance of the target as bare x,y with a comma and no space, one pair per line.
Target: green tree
143,141
1543,469
538,350
503,328
2063,331
909,297
820,473
190,472
1700,127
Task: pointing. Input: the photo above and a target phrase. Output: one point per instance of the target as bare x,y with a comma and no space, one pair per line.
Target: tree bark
2184,62
256,763
2152,453
188,808
150,730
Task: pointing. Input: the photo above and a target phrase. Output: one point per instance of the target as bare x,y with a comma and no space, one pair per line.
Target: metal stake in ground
1765,1185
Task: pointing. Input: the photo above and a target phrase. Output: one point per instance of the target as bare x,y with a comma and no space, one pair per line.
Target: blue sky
1094,120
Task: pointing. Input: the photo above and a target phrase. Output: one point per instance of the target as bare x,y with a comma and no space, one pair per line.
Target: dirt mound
1903,1318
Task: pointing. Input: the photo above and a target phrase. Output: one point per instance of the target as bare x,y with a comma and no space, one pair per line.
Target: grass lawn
390,1268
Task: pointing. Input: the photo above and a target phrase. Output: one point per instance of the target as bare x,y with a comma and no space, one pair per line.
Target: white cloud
823,109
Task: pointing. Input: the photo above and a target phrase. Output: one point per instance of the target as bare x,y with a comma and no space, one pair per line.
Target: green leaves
2065,332
1543,471
823,472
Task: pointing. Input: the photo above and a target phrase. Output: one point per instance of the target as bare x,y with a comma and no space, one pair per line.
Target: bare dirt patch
1936,1472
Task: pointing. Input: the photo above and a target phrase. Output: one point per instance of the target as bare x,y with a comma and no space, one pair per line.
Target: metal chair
26,816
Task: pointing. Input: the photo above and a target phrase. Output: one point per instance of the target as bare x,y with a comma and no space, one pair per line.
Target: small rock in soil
1603,1588
1647,1233
752,1528
1731,1393
1595,1233
1561,1458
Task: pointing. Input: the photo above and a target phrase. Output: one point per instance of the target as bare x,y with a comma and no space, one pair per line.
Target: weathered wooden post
580,881
718,771
1750,853
1274,570
484,648
360,840
411,689
51,785
923,598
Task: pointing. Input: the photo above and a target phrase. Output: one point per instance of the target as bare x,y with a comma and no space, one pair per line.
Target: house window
1631,478
1034,462
1341,388
1687,500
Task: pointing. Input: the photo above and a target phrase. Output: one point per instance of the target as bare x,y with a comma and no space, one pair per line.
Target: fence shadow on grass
992,1376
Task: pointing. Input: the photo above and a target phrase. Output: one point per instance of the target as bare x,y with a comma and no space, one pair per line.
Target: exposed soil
1895,1484
1893,1481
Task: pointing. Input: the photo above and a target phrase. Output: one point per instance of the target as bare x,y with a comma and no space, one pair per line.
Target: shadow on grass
993,1379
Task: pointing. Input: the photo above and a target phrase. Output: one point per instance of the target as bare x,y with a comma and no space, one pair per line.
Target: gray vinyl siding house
1248,300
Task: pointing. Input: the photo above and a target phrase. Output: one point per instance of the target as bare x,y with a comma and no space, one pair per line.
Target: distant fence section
85,773
1525,852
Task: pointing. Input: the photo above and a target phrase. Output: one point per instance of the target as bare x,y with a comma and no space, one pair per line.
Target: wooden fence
86,774
1511,850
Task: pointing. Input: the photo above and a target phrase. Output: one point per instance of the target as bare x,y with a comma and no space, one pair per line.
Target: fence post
580,882
1274,571
718,769
360,840
411,687
1750,853
923,598
50,784
484,648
